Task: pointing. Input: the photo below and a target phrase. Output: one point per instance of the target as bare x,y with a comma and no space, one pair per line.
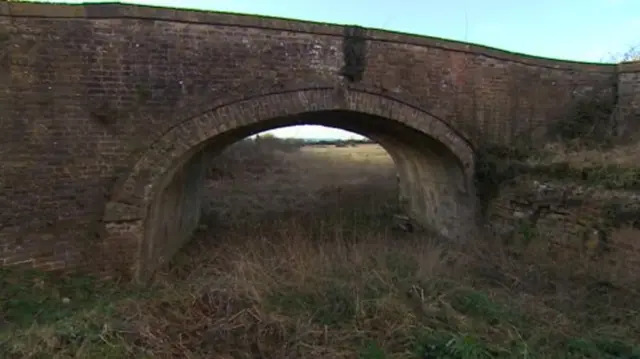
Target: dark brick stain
354,50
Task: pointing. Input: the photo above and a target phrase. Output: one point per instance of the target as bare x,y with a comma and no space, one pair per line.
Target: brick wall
90,89
628,109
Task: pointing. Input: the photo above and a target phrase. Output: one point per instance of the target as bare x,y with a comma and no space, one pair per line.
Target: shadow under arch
435,166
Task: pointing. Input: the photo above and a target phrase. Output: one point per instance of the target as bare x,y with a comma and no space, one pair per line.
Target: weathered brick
103,103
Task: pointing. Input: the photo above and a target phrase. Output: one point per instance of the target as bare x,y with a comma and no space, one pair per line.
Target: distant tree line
288,144
340,143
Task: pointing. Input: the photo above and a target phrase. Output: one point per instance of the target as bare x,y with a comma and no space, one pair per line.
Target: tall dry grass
302,263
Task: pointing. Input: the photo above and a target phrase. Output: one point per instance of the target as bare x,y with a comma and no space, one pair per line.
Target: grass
615,167
623,156
298,260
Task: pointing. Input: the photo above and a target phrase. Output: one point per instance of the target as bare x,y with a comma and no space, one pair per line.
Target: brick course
102,100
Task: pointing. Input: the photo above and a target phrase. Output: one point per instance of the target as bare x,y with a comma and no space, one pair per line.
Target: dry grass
623,156
302,264
316,178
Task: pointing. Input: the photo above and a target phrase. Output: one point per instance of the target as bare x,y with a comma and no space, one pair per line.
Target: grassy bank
299,261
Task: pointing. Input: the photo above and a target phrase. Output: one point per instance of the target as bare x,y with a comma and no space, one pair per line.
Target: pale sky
582,30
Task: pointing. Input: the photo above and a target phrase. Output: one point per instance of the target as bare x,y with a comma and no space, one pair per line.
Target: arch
129,210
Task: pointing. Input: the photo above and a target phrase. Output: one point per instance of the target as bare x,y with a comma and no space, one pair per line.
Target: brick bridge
106,110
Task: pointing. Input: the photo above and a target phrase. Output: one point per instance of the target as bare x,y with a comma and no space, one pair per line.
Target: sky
580,30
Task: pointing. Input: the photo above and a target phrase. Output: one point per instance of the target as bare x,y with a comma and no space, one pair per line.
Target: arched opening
434,166
322,178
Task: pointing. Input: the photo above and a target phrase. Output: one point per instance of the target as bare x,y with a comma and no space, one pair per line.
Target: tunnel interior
433,188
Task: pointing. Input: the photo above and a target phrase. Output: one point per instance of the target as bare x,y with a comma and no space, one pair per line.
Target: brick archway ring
126,212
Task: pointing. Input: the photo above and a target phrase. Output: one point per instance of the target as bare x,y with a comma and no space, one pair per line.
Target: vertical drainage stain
354,49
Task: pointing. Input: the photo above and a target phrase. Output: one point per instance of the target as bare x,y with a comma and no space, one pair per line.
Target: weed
589,121
299,269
